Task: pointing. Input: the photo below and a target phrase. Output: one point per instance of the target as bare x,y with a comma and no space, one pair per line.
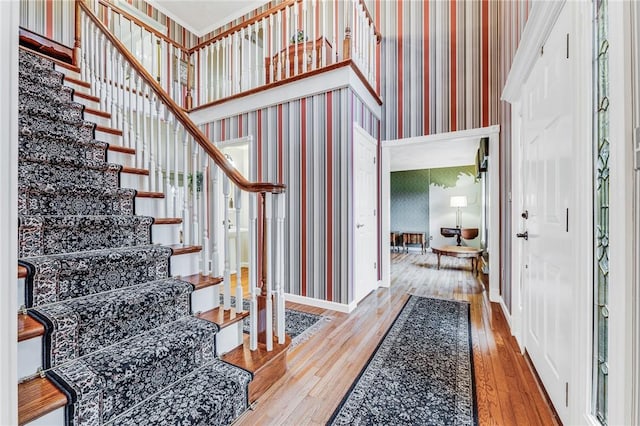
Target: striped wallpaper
55,20
443,66
307,145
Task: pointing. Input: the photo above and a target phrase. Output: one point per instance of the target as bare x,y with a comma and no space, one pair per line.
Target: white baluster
324,32
238,71
314,36
265,34
279,48
279,265
195,226
176,142
215,207
296,61
259,64
305,55
139,147
152,143
185,189
206,252
253,276
238,206
225,242
268,235
110,80
158,176
168,195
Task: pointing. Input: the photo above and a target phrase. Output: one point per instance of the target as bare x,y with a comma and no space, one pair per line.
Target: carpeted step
29,125
33,63
43,235
49,95
215,394
108,382
70,112
78,327
49,200
43,147
67,173
60,277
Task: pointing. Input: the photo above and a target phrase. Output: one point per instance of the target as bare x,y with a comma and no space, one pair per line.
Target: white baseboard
506,313
317,303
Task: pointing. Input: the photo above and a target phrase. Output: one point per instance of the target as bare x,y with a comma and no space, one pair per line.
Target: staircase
107,318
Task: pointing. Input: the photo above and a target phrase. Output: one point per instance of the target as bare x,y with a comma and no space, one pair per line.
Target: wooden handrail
142,24
189,126
244,24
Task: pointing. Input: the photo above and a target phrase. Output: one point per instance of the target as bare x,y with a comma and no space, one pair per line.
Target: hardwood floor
322,369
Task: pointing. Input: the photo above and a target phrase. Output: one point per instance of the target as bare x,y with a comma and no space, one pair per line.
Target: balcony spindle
226,251
253,275
185,188
238,206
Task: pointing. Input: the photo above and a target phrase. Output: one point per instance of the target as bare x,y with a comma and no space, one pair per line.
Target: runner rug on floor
420,373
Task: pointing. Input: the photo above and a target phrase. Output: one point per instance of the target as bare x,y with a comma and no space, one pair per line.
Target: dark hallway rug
420,373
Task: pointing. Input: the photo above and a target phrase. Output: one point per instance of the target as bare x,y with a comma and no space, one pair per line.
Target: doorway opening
453,149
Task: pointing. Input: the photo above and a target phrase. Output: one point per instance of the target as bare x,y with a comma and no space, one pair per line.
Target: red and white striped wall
307,144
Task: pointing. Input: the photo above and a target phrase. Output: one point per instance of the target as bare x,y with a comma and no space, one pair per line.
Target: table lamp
458,201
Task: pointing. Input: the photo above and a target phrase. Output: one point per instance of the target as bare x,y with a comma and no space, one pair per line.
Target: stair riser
109,138
67,72
76,87
30,350
55,417
151,207
135,181
98,119
121,158
185,264
165,234
229,338
30,356
87,102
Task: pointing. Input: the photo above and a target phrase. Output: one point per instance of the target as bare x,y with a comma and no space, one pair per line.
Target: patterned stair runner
120,339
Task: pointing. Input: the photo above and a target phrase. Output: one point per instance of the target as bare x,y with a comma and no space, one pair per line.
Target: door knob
359,225
525,214
524,235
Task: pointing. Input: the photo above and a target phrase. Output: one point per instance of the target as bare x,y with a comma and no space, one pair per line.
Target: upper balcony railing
293,38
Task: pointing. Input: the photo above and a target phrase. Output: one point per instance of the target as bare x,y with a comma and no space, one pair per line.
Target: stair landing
267,366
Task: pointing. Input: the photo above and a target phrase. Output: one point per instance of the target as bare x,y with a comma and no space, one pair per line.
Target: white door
548,187
364,214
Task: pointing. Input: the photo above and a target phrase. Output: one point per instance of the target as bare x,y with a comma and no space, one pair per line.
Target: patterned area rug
300,326
420,374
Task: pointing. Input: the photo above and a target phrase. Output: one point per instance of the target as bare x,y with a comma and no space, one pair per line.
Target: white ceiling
419,153
203,16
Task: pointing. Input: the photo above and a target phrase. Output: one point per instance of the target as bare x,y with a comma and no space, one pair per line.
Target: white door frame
493,197
9,21
357,129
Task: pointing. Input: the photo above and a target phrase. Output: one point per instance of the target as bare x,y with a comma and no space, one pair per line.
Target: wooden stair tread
86,96
28,328
200,281
106,129
37,397
22,271
78,82
97,112
179,249
254,361
134,170
123,149
56,61
223,317
149,194
267,367
167,220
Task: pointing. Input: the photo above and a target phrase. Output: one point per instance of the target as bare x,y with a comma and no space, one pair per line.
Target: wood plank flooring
321,370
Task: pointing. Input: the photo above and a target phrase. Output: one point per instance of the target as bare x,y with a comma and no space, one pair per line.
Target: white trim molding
318,303
9,19
324,82
541,20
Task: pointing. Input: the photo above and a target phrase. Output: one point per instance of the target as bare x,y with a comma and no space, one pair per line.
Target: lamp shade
459,201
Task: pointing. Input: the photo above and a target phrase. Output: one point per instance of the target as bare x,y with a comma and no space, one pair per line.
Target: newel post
77,33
